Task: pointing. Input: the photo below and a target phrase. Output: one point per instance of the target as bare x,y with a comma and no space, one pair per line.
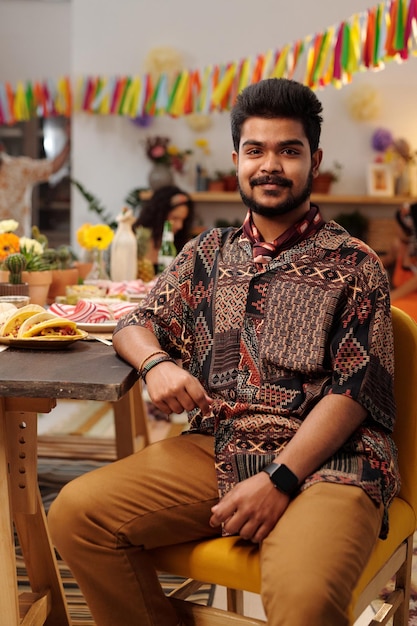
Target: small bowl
18,301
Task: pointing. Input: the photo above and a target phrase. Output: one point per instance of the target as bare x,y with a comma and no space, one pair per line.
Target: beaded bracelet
150,364
140,368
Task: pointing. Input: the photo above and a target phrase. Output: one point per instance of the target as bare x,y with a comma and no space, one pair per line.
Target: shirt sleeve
165,311
362,347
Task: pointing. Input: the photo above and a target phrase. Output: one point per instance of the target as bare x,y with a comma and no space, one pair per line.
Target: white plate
103,327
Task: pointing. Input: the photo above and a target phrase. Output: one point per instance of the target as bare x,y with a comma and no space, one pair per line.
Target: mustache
271,180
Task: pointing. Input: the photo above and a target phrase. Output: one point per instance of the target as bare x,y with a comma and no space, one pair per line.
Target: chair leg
403,581
198,615
397,604
185,590
388,609
235,601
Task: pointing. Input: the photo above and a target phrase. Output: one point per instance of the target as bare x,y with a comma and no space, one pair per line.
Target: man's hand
174,390
251,509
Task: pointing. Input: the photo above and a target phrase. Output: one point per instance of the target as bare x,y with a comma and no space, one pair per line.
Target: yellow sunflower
98,236
81,234
9,244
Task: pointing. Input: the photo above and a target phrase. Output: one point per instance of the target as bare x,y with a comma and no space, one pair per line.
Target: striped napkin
88,312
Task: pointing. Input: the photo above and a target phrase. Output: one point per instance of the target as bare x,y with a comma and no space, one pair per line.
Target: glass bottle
167,251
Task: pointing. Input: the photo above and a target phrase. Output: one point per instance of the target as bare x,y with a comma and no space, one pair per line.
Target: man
18,175
284,331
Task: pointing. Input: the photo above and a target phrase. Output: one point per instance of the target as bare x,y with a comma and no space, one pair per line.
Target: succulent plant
60,258
15,264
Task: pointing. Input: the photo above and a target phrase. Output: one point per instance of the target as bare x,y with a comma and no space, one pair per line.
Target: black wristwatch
282,477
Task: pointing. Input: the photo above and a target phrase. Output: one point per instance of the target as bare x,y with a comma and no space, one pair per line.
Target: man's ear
235,159
316,159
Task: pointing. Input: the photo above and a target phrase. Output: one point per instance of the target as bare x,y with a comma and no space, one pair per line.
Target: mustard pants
103,523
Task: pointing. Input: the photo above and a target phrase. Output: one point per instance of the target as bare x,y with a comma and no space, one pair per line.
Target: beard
281,208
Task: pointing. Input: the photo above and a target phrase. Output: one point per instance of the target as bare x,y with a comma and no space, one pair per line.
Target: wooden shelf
320,198
212,206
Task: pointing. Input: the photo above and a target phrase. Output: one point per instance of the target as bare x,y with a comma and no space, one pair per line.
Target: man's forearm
323,432
134,344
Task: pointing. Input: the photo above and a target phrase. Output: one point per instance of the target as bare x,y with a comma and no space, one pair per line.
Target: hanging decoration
364,103
366,41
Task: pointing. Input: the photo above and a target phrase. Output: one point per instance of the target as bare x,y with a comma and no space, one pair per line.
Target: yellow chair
233,563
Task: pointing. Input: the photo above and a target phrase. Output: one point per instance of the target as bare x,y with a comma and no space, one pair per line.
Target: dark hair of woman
155,212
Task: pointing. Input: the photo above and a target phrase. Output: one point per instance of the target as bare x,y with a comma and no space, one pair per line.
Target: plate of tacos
33,327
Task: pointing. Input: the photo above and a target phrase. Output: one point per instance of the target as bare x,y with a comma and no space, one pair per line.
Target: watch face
282,477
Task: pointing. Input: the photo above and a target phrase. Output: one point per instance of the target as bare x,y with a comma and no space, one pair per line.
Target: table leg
131,422
9,608
18,444
40,561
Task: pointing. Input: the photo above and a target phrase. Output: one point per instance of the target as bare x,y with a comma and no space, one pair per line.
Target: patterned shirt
17,177
268,343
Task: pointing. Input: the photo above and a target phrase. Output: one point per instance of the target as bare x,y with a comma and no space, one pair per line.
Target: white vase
123,252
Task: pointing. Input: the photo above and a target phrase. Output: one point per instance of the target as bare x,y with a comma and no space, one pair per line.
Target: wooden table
30,383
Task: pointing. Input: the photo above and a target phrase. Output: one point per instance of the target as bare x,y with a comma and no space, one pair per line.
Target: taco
55,327
11,326
5,314
44,316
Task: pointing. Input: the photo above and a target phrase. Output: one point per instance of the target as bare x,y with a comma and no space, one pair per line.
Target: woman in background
403,259
167,203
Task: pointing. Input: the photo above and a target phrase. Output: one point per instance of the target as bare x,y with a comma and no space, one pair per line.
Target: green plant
94,204
133,198
355,223
35,261
15,264
60,258
334,173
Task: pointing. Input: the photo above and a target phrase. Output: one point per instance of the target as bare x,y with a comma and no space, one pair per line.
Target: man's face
274,166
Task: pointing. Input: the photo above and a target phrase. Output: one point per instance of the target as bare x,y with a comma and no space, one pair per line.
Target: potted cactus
21,260
14,264
64,271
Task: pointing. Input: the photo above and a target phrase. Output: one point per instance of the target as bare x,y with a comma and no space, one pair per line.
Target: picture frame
380,180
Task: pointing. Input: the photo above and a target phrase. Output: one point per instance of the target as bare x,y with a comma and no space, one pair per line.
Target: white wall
113,38
35,40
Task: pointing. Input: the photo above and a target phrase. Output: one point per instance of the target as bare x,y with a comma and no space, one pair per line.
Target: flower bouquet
160,151
96,238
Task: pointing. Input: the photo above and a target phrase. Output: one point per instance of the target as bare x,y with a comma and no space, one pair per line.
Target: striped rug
53,474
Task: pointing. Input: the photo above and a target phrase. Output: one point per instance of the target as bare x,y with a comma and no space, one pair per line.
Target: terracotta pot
84,268
322,183
60,280
39,283
230,182
215,185
8,289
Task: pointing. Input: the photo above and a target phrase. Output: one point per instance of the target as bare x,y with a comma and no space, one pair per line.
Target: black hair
278,97
155,211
